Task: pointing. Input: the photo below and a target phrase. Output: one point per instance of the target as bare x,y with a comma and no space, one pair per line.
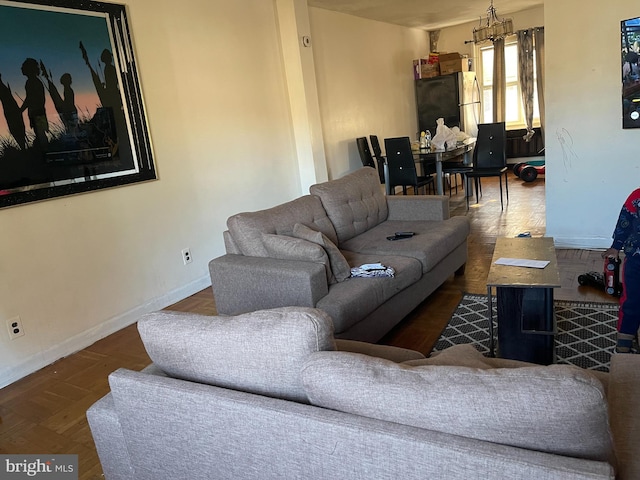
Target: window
513,108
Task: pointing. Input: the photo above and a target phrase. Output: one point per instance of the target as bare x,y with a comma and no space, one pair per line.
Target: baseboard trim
104,329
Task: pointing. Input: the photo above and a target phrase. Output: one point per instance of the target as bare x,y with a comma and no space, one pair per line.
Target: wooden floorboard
45,412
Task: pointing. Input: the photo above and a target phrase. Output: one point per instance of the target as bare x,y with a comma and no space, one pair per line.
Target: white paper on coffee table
522,262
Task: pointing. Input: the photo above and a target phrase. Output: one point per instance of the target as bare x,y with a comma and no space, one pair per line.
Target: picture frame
72,118
630,63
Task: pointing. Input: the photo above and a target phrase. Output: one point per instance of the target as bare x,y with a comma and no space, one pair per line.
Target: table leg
468,161
387,188
526,324
490,316
439,180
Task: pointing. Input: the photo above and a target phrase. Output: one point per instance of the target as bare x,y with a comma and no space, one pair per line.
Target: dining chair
453,169
365,153
402,167
489,157
377,154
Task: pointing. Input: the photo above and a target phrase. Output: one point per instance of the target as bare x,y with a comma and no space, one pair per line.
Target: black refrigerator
454,97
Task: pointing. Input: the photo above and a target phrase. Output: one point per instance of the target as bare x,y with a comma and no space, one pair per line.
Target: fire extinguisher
612,284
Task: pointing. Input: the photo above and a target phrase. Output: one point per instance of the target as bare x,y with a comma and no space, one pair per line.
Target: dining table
425,156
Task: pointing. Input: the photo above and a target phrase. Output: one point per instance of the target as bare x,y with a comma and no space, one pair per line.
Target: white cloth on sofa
369,270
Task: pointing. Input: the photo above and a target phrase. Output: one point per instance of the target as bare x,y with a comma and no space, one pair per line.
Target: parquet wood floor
45,412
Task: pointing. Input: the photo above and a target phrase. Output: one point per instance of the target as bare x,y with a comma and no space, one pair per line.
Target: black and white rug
586,331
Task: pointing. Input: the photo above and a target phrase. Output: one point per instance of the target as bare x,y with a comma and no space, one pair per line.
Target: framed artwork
72,117
630,57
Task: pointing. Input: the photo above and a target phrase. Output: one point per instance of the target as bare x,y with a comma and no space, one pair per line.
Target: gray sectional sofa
300,254
271,395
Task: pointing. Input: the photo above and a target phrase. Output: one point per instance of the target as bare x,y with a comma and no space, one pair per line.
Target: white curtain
499,81
525,77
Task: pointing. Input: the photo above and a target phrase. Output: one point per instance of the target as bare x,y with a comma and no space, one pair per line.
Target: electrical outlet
14,325
186,256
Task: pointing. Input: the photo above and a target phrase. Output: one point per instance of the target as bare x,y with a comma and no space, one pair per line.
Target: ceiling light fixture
494,28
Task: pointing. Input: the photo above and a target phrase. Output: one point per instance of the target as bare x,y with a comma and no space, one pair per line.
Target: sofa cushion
354,203
352,300
340,269
247,228
466,355
434,240
558,409
260,352
283,247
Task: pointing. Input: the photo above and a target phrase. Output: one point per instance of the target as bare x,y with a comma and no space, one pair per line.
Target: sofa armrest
388,352
244,284
624,413
418,207
109,439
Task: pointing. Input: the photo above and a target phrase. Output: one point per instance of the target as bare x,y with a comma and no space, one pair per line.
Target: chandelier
494,28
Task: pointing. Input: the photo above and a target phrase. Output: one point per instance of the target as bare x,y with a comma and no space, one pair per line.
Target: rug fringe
598,305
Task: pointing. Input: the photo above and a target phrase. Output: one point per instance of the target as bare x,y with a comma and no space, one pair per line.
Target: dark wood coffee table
524,297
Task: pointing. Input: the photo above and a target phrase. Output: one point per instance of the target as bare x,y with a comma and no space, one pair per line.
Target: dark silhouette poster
72,118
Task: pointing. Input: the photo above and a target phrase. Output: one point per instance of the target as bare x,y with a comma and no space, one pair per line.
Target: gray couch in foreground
300,253
267,395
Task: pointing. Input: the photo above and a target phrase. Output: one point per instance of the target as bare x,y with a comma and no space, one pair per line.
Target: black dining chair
365,153
490,157
377,154
454,168
402,167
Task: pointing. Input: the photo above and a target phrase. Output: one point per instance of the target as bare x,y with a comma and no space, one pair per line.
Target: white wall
302,91
77,268
592,163
365,82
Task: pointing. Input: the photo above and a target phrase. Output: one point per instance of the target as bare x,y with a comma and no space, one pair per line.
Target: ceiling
425,14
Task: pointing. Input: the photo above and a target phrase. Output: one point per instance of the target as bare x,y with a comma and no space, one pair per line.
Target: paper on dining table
522,262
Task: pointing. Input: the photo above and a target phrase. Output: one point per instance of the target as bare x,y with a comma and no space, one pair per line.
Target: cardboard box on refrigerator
430,70
417,67
452,66
423,69
453,62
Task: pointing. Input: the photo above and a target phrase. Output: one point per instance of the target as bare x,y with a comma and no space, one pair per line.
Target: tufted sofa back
247,229
354,203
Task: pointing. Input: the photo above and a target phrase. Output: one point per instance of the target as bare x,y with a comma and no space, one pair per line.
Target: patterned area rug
586,331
